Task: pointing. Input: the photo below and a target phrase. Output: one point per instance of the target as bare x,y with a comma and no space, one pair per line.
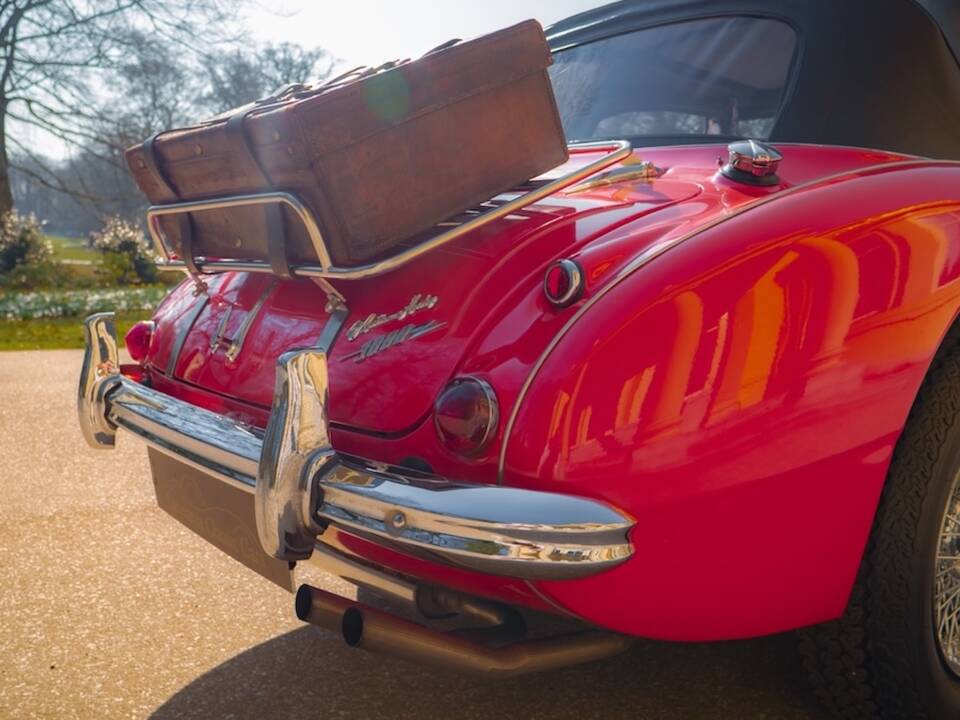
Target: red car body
687,367
735,377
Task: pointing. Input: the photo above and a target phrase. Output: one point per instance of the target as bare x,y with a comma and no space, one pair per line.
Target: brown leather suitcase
377,159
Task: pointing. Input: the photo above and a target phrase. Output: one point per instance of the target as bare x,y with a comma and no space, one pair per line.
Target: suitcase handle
443,46
300,90
282,93
358,73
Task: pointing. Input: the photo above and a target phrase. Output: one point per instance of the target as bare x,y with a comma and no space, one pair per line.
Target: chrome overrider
301,484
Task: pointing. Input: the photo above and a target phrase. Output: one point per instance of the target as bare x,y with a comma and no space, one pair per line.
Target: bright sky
368,32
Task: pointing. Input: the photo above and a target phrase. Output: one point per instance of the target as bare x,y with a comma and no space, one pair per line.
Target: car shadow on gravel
310,673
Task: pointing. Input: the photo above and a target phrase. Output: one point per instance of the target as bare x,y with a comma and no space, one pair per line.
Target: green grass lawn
80,261
47,319
73,249
54,333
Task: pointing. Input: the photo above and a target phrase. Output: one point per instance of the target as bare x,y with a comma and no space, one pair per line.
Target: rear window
719,78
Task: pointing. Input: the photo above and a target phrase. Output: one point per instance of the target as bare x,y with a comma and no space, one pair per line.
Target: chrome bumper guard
301,484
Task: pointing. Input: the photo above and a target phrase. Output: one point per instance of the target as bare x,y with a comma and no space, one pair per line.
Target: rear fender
741,395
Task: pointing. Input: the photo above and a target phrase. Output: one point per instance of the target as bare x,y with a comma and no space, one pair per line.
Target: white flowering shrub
70,303
126,255
26,255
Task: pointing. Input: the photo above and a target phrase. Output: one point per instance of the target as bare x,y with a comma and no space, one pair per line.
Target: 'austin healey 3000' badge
374,320
384,342
388,340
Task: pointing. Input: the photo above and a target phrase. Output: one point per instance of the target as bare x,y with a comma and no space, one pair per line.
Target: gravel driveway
109,609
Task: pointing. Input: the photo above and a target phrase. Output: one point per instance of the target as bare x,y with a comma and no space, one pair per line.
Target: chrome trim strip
218,334
302,484
192,314
656,251
236,345
619,149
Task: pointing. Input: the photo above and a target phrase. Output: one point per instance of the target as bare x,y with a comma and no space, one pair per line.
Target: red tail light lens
466,415
137,340
563,283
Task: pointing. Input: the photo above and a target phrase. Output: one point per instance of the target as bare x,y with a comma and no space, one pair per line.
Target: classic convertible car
701,382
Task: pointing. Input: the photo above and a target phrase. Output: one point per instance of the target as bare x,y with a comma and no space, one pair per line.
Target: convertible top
871,73
947,14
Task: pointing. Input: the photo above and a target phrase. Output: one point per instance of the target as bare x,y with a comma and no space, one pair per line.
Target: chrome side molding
295,446
100,373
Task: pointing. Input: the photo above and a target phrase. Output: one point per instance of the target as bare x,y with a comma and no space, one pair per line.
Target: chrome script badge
417,303
384,342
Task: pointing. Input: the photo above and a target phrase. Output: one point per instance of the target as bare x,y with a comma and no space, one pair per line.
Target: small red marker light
138,338
466,415
563,283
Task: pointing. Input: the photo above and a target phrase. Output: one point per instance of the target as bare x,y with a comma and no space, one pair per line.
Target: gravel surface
110,609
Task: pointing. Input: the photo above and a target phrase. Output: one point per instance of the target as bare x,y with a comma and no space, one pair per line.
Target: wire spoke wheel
946,582
895,652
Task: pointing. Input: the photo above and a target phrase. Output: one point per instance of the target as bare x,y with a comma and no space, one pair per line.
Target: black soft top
872,73
946,13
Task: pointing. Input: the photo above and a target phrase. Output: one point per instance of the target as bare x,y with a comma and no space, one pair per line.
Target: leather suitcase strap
184,220
276,228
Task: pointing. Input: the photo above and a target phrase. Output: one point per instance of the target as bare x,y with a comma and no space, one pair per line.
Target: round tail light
138,338
466,415
563,283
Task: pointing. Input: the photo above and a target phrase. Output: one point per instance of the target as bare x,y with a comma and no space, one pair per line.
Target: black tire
882,659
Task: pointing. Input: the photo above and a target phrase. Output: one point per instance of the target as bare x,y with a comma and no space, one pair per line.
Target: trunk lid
407,330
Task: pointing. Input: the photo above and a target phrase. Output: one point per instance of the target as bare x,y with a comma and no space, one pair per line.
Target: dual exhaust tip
377,631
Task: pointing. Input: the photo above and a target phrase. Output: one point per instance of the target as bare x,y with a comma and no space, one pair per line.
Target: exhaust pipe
377,631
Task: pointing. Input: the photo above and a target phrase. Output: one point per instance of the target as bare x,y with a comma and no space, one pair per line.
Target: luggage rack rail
617,151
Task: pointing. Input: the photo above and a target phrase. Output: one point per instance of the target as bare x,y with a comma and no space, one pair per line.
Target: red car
702,382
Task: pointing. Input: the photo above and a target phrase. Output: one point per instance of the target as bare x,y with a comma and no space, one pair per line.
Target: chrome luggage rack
617,150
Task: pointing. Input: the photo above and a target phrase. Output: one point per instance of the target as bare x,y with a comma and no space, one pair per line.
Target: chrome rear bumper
302,485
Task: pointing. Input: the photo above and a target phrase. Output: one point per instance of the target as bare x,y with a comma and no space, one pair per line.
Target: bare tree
239,76
155,86
153,91
57,57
